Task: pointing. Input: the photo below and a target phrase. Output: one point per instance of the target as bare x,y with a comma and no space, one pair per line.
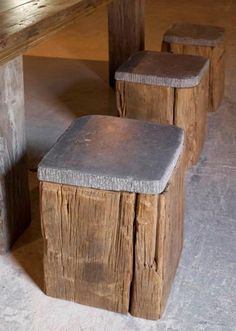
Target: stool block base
183,107
113,250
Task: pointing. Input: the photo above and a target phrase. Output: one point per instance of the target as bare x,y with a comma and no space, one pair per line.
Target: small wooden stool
167,88
112,206
204,40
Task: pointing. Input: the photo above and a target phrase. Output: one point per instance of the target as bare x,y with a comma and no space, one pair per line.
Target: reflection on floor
60,89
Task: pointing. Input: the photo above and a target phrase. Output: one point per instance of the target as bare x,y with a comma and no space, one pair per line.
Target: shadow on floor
28,250
56,92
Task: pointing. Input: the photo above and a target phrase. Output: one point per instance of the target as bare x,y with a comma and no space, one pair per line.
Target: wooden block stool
204,40
167,88
112,208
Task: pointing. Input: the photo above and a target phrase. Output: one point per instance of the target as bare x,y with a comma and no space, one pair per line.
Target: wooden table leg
126,31
14,189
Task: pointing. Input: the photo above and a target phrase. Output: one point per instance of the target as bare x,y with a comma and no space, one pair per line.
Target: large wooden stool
112,206
167,88
204,40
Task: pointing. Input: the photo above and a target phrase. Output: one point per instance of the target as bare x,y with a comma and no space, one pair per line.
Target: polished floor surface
67,77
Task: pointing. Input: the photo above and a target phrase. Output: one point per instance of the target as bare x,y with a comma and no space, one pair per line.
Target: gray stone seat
115,154
194,34
163,69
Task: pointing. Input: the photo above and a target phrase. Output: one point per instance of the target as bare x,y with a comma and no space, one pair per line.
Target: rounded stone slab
194,34
114,154
163,69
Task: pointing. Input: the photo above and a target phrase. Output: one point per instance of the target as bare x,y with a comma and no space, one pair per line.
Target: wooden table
23,24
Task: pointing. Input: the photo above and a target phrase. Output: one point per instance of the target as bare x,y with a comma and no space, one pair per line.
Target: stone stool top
163,69
114,154
194,34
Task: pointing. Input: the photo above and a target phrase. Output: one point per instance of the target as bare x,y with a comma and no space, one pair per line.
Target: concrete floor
67,77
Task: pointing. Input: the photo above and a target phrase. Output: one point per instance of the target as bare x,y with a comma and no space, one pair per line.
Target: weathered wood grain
29,22
191,107
11,4
216,55
146,285
145,102
171,230
218,75
113,250
14,193
88,237
126,31
158,245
